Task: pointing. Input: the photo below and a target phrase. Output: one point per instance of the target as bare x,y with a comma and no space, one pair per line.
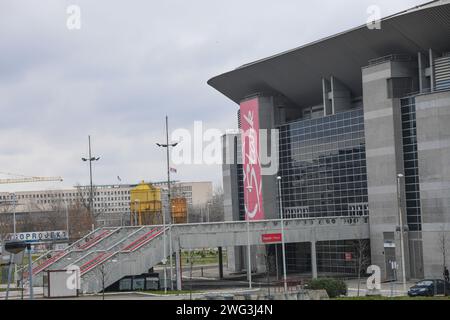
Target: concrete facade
433,138
399,77
383,126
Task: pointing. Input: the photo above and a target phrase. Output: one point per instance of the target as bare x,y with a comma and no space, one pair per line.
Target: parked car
429,288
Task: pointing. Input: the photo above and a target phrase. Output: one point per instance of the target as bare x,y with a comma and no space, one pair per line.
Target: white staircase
113,252
110,254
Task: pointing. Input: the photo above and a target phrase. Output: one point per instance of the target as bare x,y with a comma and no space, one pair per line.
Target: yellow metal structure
145,206
179,210
26,179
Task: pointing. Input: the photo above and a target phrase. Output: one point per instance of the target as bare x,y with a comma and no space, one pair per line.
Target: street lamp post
90,159
12,255
249,257
136,211
167,146
400,218
14,214
282,234
67,220
30,271
15,228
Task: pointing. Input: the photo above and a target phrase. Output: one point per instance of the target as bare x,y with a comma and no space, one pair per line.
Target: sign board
272,238
348,256
253,199
389,244
39,237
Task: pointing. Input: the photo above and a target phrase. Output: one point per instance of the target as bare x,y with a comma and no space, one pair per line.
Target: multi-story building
111,203
196,193
363,130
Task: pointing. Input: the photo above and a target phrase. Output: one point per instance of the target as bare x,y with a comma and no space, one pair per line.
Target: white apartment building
111,203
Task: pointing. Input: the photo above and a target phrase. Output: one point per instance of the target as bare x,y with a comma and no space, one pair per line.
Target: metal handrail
87,254
65,249
77,249
111,247
139,245
101,239
125,252
390,57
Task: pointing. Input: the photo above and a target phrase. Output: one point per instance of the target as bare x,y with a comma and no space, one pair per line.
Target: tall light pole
67,220
12,255
14,215
282,233
400,218
167,146
249,257
91,191
136,210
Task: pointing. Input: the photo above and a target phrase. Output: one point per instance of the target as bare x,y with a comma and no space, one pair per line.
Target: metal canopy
297,73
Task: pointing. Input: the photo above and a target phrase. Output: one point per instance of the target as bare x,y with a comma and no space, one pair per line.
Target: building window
411,164
323,166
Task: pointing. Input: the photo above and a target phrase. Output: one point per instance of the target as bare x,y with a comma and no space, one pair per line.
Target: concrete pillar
432,55
178,268
422,72
327,105
220,263
313,259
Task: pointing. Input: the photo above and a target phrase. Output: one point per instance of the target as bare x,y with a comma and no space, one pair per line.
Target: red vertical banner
251,160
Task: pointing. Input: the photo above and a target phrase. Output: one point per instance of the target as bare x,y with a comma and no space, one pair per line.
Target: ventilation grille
442,72
239,118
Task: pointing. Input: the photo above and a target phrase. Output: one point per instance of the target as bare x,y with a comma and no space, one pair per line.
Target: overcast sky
130,64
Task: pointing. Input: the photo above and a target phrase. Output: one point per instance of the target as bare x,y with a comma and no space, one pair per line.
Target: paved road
207,281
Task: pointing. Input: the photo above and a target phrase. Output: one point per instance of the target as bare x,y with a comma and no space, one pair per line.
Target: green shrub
333,287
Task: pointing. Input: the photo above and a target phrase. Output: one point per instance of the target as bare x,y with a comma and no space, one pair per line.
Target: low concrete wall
297,295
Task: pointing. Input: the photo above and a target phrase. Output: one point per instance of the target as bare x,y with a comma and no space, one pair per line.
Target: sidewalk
15,294
389,289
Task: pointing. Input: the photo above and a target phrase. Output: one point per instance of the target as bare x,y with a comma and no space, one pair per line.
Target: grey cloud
130,65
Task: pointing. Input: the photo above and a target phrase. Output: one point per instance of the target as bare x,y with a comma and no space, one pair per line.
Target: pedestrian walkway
388,289
15,293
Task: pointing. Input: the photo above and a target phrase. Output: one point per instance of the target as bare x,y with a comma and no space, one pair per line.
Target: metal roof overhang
297,74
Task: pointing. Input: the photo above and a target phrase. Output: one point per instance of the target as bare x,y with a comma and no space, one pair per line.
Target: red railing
94,240
48,262
148,236
146,240
95,261
136,244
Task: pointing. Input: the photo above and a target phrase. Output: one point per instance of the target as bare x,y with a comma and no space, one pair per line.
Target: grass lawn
161,292
11,289
201,257
394,298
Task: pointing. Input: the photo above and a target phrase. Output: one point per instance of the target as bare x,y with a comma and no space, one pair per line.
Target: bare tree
443,248
361,248
216,207
212,211
195,214
6,226
191,260
100,210
80,221
103,273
